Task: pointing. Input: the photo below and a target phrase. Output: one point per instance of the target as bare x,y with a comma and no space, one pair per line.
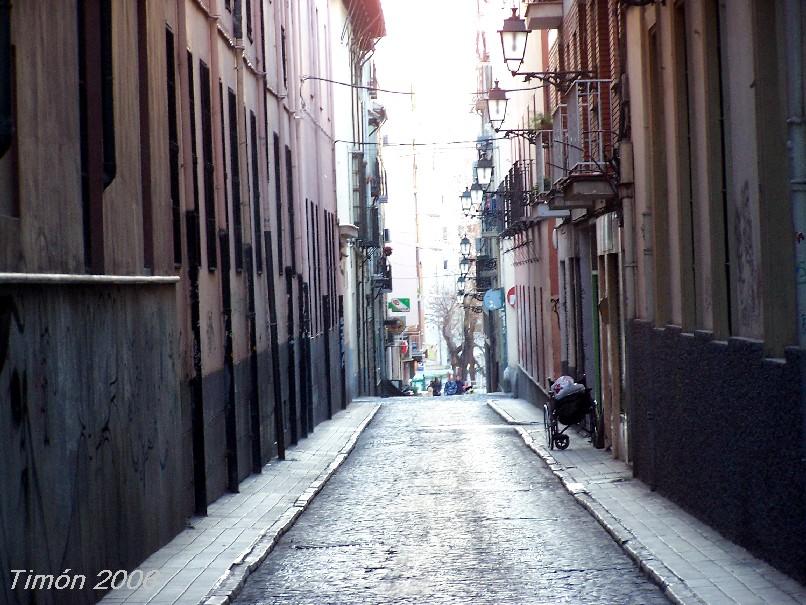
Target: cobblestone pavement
441,503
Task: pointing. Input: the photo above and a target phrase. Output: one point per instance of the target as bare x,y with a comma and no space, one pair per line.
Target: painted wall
214,360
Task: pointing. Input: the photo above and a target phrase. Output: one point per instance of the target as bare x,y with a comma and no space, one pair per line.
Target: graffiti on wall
747,270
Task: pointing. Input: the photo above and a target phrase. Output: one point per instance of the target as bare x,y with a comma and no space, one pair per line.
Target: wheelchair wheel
562,441
548,426
597,428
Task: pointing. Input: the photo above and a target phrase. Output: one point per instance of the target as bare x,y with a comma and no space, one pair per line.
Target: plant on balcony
541,121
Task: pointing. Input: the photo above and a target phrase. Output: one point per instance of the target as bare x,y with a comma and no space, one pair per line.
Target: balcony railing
590,137
492,216
558,168
544,162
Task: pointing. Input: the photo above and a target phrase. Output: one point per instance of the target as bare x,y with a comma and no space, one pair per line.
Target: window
97,121
9,204
209,166
224,265
194,255
718,179
237,20
258,245
283,52
6,81
658,183
686,210
278,195
289,177
248,9
235,171
107,96
173,146
318,274
144,96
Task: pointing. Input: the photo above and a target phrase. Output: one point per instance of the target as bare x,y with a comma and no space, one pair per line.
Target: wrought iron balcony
583,146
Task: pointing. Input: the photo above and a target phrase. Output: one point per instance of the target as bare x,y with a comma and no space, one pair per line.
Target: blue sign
493,299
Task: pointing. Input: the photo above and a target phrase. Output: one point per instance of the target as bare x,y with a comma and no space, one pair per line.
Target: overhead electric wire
415,144
373,88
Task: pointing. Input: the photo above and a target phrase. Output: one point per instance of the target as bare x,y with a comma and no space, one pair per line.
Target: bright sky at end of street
430,48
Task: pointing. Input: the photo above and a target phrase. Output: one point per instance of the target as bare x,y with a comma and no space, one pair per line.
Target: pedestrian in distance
451,386
461,385
436,383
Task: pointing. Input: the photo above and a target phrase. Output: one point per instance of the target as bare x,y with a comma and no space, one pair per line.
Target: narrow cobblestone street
441,503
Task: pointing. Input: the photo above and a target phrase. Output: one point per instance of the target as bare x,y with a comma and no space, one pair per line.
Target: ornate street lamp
513,44
464,247
464,267
484,172
513,41
476,195
497,105
466,201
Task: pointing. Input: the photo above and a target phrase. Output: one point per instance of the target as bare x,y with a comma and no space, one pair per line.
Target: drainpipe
796,123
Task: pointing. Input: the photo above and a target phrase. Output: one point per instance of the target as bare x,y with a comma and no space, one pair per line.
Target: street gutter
230,584
672,586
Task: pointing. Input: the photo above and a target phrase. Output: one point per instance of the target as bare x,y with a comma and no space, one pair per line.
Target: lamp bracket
525,133
560,79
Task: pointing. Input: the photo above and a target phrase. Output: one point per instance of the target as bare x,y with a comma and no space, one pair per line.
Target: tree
459,327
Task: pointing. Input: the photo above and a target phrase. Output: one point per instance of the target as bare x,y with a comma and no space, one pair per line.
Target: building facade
170,286
671,136
714,351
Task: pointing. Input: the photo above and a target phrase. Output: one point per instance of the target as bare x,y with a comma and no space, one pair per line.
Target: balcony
582,147
492,219
382,277
544,14
544,154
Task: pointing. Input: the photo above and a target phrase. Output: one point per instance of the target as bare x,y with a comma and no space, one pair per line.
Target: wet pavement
440,502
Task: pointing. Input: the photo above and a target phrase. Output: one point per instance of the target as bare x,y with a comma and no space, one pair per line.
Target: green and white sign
399,305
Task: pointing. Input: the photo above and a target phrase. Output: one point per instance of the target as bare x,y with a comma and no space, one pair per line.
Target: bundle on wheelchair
569,403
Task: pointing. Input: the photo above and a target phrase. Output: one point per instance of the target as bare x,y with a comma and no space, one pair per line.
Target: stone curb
230,584
671,585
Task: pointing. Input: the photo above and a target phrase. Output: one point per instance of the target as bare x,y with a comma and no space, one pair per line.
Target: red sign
404,347
511,298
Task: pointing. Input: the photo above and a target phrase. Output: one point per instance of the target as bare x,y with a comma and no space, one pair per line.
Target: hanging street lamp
484,172
497,106
464,246
476,195
464,267
513,41
514,35
466,201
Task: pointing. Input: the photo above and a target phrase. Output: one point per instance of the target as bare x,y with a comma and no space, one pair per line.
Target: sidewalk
691,562
209,561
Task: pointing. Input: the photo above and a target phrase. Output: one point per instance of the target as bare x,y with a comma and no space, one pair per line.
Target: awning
366,18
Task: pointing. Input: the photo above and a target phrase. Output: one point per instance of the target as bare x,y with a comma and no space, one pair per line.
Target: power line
432,143
371,88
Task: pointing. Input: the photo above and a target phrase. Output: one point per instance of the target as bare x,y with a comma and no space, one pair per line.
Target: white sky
430,48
